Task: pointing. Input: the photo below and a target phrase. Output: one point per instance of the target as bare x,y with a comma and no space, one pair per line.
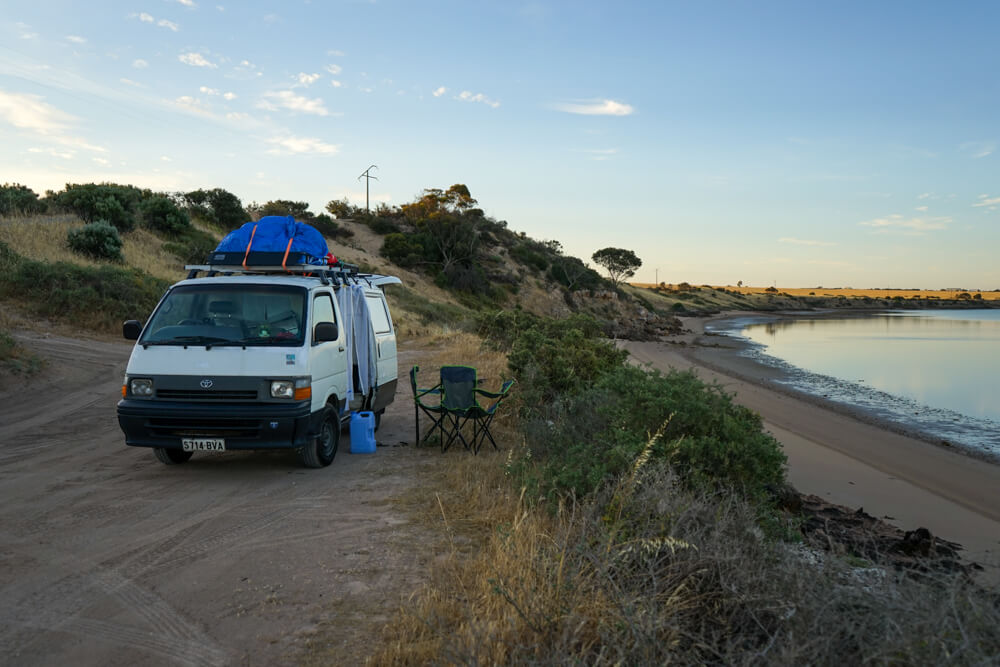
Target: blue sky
848,144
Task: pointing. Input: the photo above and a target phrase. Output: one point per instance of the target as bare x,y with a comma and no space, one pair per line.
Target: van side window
323,309
380,316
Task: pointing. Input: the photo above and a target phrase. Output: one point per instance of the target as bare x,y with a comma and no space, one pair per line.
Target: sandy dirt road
108,557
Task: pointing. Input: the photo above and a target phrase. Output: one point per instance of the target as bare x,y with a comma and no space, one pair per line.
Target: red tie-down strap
249,243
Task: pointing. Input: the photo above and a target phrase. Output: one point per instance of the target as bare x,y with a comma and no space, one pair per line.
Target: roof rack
271,263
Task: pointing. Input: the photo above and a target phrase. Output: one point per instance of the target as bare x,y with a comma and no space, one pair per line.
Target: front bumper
153,423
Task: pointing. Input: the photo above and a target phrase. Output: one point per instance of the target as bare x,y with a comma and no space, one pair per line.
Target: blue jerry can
363,433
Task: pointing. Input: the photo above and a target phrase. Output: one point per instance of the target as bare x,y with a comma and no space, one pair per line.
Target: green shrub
192,246
383,226
581,440
16,199
403,250
162,215
117,204
329,227
218,207
98,240
530,256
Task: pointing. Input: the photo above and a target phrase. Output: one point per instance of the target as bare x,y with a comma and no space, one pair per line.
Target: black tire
321,452
171,456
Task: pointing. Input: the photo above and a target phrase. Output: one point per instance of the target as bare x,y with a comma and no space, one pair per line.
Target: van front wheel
171,456
323,448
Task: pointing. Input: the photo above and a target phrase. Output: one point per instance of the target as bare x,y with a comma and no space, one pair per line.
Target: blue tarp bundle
271,234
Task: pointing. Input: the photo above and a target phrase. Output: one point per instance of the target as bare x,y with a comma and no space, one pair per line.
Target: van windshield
213,315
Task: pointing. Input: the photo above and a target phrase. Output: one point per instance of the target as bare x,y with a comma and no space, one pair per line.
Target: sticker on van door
289,359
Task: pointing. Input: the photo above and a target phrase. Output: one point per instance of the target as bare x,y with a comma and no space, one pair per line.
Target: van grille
203,395
219,427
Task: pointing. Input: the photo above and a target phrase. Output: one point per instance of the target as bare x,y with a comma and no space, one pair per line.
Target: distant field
852,293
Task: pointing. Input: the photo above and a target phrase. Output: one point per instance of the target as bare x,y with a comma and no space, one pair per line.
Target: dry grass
675,578
43,239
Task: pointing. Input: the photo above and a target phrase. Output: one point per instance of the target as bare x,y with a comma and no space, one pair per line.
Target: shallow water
938,371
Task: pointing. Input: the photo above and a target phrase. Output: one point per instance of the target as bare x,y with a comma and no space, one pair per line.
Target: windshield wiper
207,341
251,340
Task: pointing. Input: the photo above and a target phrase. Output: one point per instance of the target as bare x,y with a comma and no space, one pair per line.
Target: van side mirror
325,332
131,329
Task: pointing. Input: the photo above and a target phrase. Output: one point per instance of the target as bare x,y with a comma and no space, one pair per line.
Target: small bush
327,226
98,240
218,207
383,226
192,246
403,250
162,215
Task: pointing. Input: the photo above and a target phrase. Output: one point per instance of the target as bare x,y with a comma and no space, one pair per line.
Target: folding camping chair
459,398
434,412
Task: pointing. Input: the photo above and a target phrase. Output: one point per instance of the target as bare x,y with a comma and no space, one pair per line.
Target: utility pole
657,276
368,178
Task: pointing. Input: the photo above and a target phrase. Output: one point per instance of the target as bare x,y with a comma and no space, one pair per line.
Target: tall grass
673,576
43,239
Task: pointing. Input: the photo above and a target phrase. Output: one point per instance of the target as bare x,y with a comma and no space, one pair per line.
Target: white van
257,356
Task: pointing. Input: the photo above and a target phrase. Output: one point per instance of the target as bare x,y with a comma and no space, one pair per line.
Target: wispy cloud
600,153
188,3
130,82
194,104
922,209
466,96
897,222
196,60
145,17
76,39
286,99
925,195
306,79
809,242
596,108
986,201
229,96
24,31
54,152
139,63
205,90
978,149
334,69
292,145
32,114
439,91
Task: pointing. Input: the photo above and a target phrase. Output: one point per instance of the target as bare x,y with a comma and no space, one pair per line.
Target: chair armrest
498,394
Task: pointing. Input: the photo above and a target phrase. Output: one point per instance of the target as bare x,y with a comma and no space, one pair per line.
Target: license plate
203,444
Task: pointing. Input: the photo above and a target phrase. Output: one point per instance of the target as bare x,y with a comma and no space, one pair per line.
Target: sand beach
847,456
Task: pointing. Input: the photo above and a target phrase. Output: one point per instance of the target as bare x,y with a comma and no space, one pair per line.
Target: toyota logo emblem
206,384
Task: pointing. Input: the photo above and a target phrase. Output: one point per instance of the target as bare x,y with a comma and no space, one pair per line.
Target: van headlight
298,389
141,387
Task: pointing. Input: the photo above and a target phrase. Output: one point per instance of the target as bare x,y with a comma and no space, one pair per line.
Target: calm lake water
938,371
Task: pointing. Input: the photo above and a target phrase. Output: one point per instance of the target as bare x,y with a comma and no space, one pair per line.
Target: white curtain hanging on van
360,341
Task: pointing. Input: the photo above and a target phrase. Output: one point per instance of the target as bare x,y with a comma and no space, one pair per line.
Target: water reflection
940,359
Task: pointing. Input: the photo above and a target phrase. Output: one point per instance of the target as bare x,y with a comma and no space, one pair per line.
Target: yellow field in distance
848,292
